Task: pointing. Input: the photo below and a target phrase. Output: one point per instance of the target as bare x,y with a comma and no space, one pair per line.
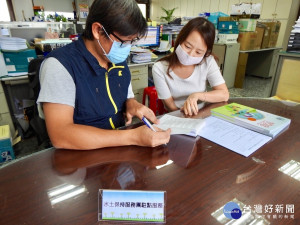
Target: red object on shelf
155,104
73,37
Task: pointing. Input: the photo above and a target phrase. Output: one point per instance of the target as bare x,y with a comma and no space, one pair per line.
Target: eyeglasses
125,42
122,42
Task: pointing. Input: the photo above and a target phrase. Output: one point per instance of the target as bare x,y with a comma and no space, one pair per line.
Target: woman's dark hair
205,28
121,16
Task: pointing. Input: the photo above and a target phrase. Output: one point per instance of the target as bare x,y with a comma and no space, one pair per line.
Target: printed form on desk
238,139
187,126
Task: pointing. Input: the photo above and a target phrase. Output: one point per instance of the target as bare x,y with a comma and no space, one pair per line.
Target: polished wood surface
202,178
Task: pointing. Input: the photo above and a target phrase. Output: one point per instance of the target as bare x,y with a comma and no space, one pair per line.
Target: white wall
55,5
49,5
26,6
279,9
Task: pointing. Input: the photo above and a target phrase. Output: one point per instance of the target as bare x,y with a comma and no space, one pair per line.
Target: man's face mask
119,51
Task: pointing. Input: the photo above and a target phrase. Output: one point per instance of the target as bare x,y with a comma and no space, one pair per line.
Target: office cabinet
139,80
5,117
262,62
227,55
287,77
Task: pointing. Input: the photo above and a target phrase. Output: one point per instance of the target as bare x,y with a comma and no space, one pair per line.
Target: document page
233,137
16,74
179,125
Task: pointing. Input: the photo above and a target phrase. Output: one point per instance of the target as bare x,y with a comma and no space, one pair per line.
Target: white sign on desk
124,205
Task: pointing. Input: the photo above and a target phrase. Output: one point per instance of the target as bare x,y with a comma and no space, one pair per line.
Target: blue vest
100,94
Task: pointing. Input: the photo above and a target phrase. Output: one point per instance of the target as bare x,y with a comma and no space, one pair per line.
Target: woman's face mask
118,52
185,59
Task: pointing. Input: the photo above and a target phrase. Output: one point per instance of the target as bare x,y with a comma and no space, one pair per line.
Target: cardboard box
271,33
266,38
18,61
273,38
228,25
260,34
214,19
241,70
224,31
247,25
246,8
227,38
228,18
6,150
247,40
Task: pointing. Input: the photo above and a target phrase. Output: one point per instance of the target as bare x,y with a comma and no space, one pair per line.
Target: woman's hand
146,137
190,106
134,108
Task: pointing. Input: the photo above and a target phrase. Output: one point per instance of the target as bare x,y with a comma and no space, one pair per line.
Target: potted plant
169,17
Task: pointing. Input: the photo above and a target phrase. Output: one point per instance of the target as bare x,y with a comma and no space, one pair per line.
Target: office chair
38,124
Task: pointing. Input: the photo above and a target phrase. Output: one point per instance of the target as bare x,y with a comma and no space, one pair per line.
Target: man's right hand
146,137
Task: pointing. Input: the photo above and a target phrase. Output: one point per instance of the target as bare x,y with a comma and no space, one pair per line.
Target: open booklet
179,125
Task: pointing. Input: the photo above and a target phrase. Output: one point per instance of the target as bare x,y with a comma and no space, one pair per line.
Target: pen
144,119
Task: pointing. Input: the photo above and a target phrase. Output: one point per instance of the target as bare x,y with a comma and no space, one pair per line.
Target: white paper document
233,137
179,125
16,74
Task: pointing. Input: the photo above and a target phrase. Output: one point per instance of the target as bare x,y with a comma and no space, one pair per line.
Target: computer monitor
28,33
152,38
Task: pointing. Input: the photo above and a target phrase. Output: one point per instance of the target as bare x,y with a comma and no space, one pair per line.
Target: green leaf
169,13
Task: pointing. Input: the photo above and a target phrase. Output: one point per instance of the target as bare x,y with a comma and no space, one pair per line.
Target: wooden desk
200,180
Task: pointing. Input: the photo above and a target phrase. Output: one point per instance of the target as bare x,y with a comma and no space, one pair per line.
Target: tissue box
6,150
18,61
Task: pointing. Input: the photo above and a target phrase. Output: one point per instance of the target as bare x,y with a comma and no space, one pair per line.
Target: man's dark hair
119,16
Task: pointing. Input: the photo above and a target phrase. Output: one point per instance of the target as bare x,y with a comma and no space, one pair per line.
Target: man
86,88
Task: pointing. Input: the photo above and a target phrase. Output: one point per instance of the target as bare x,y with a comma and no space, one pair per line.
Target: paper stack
12,44
164,46
294,41
140,55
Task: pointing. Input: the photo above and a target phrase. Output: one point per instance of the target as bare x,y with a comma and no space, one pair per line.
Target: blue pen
144,119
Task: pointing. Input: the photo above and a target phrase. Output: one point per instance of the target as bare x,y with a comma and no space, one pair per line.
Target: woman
86,88
180,78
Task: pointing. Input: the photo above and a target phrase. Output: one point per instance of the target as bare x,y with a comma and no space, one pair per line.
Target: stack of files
172,28
12,44
140,55
56,43
296,26
294,41
251,118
